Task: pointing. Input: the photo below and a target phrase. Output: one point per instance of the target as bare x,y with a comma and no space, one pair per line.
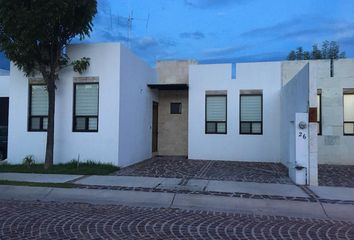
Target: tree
316,52
34,35
292,56
329,50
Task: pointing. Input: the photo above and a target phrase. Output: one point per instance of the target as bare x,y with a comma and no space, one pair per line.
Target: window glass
251,114
38,110
216,114
348,114
86,107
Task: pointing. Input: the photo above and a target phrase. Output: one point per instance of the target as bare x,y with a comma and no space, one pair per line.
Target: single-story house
122,111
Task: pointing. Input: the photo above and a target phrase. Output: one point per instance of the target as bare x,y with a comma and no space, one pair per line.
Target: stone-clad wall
173,128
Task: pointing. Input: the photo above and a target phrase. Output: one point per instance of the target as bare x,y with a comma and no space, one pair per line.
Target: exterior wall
4,86
135,116
98,146
233,146
294,99
173,72
173,128
333,146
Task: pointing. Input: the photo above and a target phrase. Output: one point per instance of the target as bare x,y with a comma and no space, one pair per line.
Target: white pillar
298,170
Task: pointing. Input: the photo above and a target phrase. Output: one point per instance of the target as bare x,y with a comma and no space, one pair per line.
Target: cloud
192,35
223,51
300,29
212,3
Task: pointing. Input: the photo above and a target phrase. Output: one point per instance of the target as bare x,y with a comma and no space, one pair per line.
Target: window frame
87,117
250,122
344,122
180,108
319,121
30,116
216,122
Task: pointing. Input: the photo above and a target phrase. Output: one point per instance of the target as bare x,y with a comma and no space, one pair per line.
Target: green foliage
83,168
34,33
81,65
28,161
329,50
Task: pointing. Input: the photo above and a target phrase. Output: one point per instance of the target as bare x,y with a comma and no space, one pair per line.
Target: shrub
28,161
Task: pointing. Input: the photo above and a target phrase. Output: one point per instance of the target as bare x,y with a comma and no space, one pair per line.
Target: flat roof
163,86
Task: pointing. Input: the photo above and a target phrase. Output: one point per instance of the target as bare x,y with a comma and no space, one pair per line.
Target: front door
4,115
155,114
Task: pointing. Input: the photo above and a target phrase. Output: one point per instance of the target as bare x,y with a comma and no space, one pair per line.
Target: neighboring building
299,113
102,115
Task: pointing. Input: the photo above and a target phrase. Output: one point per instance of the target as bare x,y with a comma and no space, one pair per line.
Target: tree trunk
49,153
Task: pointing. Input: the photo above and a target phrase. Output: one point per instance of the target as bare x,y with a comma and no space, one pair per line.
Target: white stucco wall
135,121
294,99
333,146
4,86
233,146
98,146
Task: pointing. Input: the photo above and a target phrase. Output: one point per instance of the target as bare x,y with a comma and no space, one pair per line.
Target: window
251,114
176,108
348,102
319,114
215,114
38,108
85,107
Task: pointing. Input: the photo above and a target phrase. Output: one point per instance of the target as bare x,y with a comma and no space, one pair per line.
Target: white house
102,115
121,111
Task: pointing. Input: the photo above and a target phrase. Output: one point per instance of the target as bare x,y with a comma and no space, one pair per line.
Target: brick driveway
34,220
179,167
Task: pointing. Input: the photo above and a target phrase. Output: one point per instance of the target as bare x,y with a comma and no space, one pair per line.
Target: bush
28,161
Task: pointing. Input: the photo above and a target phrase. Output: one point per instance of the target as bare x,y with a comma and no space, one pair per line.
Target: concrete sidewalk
269,189
35,177
181,200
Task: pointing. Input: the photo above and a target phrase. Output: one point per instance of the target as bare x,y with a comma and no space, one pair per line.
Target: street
39,220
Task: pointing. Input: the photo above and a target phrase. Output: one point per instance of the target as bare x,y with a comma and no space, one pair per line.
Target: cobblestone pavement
180,167
35,220
336,175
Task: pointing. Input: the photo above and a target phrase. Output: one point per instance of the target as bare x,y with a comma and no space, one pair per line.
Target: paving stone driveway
179,167
34,220
336,175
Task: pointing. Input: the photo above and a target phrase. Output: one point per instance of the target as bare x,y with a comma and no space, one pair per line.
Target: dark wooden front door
155,116
4,122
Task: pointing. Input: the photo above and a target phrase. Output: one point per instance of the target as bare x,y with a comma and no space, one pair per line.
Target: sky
219,31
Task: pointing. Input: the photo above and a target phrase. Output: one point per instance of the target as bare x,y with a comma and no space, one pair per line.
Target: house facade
121,111
102,115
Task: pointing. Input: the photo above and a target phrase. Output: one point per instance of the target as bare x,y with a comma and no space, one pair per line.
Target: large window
319,113
38,108
215,114
85,107
251,114
348,102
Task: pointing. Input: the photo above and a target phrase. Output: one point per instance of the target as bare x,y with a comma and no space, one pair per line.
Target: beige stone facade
173,128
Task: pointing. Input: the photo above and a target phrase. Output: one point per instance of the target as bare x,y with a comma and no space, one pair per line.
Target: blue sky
215,31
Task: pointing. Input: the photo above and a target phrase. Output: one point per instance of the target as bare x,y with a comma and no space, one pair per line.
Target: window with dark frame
215,114
251,114
176,108
38,108
86,97
348,105
319,114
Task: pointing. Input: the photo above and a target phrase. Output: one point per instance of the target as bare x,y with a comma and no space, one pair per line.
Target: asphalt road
39,220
